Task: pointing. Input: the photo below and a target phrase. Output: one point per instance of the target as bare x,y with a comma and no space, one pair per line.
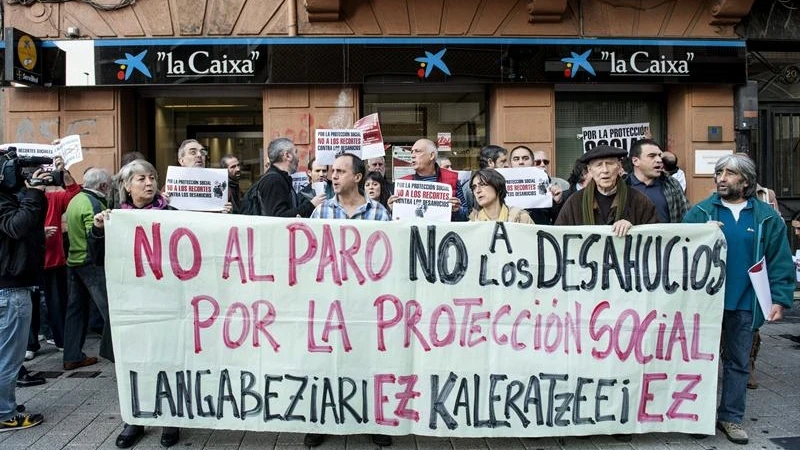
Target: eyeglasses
477,185
197,151
541,162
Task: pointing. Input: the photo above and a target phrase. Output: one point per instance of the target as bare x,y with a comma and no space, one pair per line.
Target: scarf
503,217
587,205
157,203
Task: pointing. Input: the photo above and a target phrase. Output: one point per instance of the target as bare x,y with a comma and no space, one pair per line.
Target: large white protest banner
443,329
422,200
331,142
197,188
372,143
68,148
527,187
621,136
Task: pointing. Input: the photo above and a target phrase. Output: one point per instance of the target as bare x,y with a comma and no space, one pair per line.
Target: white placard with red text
422,200
329,143
527,187
372,143
476,329
197,188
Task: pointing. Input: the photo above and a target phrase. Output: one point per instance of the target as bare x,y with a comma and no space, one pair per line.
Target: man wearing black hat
607,200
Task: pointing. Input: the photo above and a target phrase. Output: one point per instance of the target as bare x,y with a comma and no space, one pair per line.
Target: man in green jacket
86,282
753,230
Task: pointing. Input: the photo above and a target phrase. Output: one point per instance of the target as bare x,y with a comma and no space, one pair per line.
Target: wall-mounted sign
705,160
181,64
23,58
335,60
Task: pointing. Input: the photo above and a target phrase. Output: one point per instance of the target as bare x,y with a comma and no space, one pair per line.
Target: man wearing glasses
192,154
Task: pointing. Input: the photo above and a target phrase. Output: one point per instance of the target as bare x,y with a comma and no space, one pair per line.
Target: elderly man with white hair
423,160
85,280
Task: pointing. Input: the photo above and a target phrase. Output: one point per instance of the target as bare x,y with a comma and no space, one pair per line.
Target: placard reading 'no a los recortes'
462,329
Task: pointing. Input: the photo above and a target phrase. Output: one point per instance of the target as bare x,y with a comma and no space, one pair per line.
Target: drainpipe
292,6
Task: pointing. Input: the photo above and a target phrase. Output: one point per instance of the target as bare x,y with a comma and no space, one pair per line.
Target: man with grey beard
753,231
275,193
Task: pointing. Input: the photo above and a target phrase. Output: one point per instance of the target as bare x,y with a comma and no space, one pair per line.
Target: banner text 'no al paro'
462,329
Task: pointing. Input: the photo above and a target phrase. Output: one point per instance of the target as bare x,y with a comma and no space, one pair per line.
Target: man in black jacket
22,214
278,198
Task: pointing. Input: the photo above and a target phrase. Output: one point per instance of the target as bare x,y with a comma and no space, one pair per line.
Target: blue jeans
737,340
15,321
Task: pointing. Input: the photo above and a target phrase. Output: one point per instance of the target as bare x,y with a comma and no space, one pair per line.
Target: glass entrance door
245,145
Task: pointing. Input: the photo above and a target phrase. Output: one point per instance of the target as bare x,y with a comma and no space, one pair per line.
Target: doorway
223,124
242,142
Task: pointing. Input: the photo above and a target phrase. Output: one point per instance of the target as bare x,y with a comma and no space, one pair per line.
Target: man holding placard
423,160
755,233
193,195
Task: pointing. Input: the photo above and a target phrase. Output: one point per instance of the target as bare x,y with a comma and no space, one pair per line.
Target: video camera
15,170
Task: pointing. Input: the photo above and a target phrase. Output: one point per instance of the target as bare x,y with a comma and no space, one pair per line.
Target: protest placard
68,147
422,200
299,181
621,136
196,188
527,187
443,329
372,144
444,141
331,142
401,162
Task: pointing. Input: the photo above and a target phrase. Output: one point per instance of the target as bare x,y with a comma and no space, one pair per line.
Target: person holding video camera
22,212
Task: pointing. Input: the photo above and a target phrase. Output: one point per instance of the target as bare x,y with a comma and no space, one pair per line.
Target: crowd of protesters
69,279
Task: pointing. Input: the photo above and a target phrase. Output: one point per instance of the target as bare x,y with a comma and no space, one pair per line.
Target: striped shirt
331,209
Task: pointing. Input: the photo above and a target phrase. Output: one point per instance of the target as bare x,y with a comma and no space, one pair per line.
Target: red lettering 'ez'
677,397
402,411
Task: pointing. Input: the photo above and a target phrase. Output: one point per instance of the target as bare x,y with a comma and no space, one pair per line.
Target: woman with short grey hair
138,189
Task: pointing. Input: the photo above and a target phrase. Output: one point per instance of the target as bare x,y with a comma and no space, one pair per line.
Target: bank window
575,110
408,115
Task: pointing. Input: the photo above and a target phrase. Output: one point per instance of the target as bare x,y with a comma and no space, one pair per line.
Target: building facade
237,73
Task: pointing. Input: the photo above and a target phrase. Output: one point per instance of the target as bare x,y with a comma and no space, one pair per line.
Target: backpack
252,203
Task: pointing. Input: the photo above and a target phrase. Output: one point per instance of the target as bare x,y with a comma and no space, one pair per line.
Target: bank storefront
236,94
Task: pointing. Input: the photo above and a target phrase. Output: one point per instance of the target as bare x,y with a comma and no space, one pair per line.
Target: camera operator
22,213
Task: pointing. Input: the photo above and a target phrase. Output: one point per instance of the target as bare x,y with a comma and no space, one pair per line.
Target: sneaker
29,355
733,431
41,337
51,341
20,422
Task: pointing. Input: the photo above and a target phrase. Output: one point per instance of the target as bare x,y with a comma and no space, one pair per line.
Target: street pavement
81,412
